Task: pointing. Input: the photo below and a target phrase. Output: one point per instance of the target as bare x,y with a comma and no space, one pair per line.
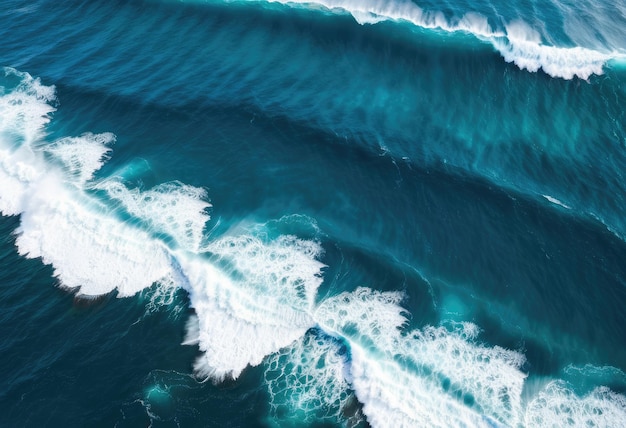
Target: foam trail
258,302
82,156
583,375
428,377
174,208
556,201
307,382
558,406
516,42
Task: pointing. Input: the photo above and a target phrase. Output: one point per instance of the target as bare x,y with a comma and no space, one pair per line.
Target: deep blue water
333,214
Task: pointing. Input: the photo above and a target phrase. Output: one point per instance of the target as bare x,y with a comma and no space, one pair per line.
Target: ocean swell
256,298
516,41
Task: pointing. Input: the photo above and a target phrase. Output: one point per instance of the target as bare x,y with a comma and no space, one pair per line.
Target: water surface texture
383,213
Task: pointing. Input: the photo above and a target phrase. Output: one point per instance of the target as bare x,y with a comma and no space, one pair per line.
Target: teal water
342,214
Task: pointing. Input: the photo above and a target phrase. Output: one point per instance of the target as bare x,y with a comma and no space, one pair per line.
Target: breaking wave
344,358
517,42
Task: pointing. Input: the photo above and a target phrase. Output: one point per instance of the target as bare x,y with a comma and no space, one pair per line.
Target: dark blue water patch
115,53
563,271
170,398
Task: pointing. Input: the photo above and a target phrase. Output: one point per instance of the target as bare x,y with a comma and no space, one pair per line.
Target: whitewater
255,298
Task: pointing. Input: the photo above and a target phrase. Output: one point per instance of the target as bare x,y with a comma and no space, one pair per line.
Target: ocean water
383,213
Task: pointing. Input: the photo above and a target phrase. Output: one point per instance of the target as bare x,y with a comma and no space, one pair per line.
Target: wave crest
517,42
255,299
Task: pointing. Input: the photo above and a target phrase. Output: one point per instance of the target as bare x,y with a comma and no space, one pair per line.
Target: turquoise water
318,214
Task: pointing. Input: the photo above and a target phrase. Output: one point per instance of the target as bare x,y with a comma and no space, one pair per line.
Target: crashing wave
256,298
518,43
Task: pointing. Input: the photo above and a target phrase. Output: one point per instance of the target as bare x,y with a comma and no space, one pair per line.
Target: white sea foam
174,208
429,377
523,46
392,396
556,201
82,156
24,108
307,382
558,406
592,373
247,289
89,249
257,302
438,376
517,43
24,111
165,296
18,169
287,266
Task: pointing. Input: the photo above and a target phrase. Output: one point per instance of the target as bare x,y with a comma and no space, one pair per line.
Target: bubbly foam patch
17,173
286,266
82,156
517,43
566,63
393,396
409,369
25,107
166,296
174,208
24,111
559,406
88,248
307,382
257,302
